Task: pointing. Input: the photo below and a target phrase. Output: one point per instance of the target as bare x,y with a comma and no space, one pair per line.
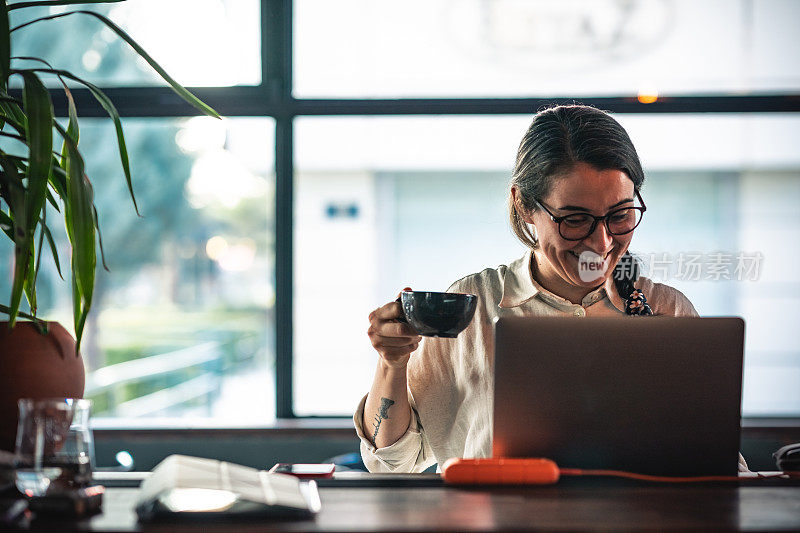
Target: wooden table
573,504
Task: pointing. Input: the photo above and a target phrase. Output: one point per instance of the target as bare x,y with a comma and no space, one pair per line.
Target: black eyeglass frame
605,218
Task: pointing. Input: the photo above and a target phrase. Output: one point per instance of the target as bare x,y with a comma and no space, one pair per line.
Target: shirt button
579,312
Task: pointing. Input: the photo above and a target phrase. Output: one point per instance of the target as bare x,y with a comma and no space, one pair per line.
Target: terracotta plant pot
33,365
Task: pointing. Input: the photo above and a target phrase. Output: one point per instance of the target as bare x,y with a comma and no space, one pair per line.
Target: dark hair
557,139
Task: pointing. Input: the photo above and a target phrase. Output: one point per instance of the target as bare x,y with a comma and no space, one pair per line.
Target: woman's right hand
393,340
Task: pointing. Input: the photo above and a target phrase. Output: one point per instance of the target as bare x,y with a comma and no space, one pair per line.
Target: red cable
662,479
540,471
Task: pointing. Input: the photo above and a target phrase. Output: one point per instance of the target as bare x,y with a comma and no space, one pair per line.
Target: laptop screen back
655,395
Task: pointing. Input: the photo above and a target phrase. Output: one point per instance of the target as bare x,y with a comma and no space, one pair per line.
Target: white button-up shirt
451,381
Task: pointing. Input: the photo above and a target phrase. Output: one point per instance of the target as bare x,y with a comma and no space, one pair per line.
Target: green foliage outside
167,241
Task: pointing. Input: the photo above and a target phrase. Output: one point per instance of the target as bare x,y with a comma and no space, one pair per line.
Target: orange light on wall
647,95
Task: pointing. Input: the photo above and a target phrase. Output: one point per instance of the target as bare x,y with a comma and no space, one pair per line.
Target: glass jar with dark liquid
55,448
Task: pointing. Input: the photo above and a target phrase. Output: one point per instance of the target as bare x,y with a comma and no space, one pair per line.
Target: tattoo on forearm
386,403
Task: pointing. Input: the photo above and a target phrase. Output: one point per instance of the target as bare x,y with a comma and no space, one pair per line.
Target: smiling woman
581,162
562,241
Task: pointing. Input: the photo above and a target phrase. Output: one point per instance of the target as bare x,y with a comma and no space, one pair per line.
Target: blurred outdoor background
183,325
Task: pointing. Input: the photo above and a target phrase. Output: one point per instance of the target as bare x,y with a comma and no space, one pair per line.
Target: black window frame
273,98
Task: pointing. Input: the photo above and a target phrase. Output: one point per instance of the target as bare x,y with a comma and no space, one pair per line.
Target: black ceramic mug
437,314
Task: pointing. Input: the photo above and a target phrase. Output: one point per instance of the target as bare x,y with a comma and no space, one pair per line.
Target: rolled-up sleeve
411,453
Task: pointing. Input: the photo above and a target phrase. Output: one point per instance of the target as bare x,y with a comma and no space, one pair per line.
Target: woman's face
584,189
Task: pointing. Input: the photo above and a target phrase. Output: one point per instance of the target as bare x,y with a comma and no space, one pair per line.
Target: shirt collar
520,287
518,284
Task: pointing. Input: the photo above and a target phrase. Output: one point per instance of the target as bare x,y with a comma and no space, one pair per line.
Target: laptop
652,395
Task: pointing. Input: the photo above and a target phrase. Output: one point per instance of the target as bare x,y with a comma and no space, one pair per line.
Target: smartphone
305,470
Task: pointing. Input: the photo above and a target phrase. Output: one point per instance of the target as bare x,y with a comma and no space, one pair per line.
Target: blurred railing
179,377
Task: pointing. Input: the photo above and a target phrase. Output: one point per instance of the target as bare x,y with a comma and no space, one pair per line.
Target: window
192,39
368,148
382,203
546,49
182,325
387,202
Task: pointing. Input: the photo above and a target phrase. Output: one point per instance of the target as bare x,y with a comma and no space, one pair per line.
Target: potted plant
38,358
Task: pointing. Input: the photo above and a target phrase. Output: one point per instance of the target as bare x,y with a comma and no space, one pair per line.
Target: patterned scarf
636,304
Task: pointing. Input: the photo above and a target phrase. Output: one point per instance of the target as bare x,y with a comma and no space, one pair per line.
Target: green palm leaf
53,248
109,107
7,225
5,45
72,127
14,124
81,231
177,87
39,109
12,109
7,311
58,180
20,5
29,183
15,198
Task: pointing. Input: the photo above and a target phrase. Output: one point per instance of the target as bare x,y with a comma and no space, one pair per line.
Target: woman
574,201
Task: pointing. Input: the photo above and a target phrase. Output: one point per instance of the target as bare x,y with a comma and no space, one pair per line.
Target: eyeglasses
578,226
